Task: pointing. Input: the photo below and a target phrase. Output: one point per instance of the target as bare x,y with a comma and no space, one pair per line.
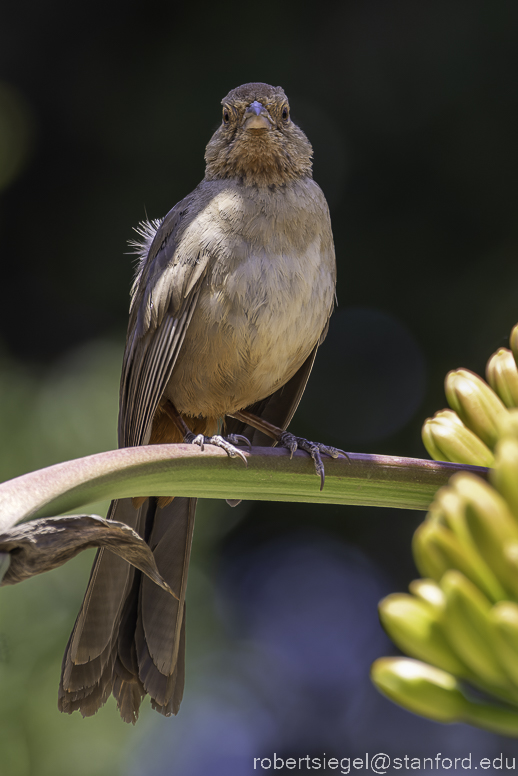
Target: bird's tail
129,636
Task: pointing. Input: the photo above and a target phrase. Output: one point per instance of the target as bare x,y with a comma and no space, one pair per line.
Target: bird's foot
228,443
293,443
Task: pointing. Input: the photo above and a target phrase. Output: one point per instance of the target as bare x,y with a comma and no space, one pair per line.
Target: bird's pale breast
264,302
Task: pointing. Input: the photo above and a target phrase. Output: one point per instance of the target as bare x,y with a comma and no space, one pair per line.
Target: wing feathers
146,375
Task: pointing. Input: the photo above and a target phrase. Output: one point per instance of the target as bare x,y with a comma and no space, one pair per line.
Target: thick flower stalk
459,624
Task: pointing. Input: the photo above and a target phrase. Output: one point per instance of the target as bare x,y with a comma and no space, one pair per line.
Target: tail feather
128,693
89,699
79,677
160,686
129,636
105,594
177,681
162,614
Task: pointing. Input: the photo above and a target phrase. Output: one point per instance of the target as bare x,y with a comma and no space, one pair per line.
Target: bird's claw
193,439
293,443
226,443
236,439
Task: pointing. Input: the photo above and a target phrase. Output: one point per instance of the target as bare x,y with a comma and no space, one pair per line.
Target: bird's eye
285,113
226,116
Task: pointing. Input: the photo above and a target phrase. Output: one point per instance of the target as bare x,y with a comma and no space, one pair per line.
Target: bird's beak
257,117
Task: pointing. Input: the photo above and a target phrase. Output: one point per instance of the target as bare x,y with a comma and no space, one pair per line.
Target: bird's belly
250,333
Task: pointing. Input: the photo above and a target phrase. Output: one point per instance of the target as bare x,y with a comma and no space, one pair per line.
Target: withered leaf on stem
42,545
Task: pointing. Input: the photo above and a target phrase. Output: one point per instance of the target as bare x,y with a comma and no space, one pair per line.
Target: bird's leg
226,443
292,442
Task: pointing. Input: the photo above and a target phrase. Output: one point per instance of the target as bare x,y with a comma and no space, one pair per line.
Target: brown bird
231,300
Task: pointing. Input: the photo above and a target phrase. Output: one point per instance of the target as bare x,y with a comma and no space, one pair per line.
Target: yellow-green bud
428,552
446,438
448,509
491,526
429,591
413,624
502,376
444,542
505,474
505,616
504,619
468,630
510,556
513,341
508,424
474,491
502,721
419,687
437,695
476,404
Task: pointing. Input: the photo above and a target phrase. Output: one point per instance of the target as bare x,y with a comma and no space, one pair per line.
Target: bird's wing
164,297
101,654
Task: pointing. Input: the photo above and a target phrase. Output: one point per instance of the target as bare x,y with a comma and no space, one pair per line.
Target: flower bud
436,694
504,619
491,526
508,424
446,438
510,564
511,554
429,591
428,552
413,625
502,376
505,616
497,719
419,687
476,404
468,631
448,509
505,474
513,341
444,542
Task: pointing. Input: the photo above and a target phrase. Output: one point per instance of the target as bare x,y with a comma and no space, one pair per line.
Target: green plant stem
185,470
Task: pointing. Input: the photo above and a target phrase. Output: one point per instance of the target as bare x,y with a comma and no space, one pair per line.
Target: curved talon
225,445
235,439
334,452
191,439
241,455
292,443
200,440
218,441
322,475
314,451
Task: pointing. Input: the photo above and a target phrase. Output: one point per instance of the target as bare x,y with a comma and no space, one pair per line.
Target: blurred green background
105,110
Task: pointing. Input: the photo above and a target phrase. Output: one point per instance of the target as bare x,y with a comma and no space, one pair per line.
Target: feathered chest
264,301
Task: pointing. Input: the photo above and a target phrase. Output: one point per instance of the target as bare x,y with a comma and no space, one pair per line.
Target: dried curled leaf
42,545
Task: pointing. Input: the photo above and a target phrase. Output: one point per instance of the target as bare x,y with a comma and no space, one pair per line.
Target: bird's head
257,141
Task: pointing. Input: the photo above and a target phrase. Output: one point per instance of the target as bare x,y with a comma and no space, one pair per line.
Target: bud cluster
460,623
469,431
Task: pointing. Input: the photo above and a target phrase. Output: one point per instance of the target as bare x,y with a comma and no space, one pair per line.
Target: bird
232,297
